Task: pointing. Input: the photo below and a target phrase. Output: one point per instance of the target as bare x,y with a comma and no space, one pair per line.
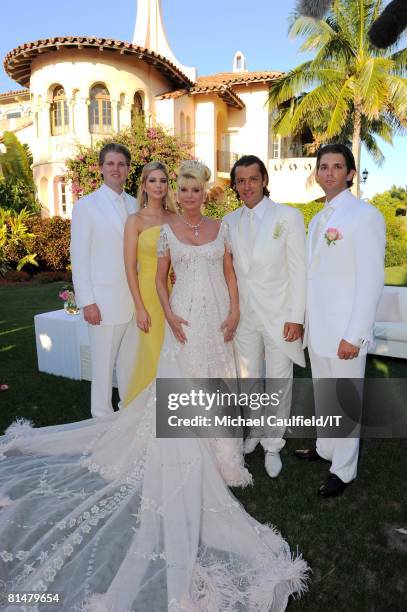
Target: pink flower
332,234
3,387
64,295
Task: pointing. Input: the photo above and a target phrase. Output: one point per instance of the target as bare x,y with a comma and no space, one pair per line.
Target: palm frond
381,128
399,59
341,110
372,84
373,148
290,84
337,49
312,108
317,33
397,98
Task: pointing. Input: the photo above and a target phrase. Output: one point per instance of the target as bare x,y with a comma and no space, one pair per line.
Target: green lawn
396,276
358,560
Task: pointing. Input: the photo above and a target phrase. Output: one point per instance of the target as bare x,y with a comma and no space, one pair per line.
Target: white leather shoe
272,464
249,445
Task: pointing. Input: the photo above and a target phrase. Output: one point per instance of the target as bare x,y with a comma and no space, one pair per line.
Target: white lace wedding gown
114,519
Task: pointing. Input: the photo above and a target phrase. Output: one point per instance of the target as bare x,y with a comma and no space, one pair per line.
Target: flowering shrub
51,242
145,144
221,200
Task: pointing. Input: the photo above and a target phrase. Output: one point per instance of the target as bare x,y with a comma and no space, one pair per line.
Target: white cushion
389,307
391,331
403,302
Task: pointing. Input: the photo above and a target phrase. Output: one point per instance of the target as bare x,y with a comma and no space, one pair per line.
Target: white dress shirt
118,201
325,215
252,218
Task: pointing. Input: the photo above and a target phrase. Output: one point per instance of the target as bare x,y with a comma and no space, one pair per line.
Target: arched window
137,110
59,112
62,197
100,110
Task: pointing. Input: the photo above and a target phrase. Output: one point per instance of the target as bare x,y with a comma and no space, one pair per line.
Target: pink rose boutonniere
332,235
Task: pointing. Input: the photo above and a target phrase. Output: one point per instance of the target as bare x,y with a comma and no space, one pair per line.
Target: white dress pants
110,345
342,452
254,346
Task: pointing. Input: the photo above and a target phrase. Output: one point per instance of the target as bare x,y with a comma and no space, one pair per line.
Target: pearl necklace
194,228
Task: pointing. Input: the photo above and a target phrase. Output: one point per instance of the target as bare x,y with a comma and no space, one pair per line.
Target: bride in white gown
112,518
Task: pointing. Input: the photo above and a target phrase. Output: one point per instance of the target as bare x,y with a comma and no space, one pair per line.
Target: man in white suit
268,245
345,254
99,277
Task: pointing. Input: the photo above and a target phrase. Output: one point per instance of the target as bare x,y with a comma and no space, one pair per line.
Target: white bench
390,328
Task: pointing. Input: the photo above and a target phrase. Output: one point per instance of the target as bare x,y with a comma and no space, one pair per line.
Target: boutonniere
278,229
332,235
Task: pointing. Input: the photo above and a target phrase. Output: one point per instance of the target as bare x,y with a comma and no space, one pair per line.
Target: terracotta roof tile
17,62
8,94
178,93
222,84
234,78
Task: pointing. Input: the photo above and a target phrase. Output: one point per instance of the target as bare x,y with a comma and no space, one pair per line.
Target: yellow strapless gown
149,348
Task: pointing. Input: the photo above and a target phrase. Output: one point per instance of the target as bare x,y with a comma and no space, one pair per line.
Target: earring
166,205
145,200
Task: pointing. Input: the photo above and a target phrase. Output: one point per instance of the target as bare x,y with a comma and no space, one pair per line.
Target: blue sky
205,35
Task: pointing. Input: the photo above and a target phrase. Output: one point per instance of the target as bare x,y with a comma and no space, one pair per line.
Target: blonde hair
168,202
194,169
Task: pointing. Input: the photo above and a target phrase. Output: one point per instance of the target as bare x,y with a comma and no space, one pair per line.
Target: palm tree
353,91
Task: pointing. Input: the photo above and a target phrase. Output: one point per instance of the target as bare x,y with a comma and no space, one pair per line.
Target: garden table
62,344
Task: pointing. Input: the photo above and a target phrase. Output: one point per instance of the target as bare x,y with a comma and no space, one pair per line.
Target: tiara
193,163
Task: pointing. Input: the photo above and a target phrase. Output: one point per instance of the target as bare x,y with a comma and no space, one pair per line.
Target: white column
71,112
115,115
205,134
82,120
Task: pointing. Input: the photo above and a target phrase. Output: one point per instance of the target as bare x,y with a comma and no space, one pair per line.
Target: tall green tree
350,90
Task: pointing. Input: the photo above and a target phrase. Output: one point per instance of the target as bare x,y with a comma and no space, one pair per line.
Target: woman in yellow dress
140,256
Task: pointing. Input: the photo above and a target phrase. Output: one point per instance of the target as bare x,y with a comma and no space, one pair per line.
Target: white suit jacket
345,279
97,260
272,278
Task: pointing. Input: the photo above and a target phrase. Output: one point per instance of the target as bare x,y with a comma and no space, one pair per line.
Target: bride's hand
143,320
229,326
176,323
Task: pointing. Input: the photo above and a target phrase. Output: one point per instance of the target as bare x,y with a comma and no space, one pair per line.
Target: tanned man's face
249,184
332,174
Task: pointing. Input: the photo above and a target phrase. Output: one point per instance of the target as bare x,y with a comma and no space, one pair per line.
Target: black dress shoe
310,454
332,486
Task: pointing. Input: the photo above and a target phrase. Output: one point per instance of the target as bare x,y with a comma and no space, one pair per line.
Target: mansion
82,89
